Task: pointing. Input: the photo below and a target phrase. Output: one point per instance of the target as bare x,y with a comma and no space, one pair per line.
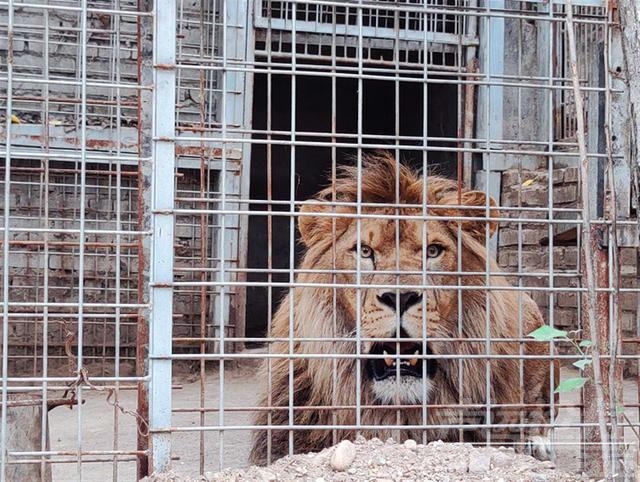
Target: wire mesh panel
78,181
350,327
237,230
71,239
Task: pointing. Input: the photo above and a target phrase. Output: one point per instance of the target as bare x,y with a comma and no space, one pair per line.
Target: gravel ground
388,461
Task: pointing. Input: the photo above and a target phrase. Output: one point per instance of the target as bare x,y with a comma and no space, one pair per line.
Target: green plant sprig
548,333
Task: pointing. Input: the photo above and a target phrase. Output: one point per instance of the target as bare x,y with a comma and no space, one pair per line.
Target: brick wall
47,44
108,277
523,247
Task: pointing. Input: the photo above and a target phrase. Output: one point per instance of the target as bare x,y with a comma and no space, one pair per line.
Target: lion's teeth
388,361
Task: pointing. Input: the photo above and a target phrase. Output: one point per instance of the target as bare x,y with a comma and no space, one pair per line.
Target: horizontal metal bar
339,29
364,427
69,8
303,408
406,286
309,71
350,356
74,453
74,460
380,205
404,147
426,217
417,8
348,338
391,272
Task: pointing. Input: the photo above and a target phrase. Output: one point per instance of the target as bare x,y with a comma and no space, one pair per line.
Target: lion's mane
324,389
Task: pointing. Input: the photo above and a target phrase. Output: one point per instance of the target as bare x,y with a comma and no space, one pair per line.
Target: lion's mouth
381,368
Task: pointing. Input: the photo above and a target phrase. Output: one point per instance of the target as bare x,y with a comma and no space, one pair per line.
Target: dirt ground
98,419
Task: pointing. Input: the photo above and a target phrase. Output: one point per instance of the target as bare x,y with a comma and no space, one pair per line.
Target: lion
423,340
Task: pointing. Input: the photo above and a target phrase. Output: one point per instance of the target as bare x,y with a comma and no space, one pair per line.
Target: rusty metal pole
145,77
592,452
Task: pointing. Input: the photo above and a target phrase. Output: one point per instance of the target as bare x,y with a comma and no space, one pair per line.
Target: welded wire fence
236,230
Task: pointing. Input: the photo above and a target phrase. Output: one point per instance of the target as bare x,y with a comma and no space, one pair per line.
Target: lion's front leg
538,395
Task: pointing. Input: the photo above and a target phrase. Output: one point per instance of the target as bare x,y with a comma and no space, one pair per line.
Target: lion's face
398,280
408,255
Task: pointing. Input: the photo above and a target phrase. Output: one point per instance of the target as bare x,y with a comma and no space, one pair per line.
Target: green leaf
546,333
619,410
581,364
571,384
585,344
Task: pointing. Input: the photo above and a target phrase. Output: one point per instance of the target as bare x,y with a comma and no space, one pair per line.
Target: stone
411,444
343,456
479,462
502,459
571,174
267,475
565,194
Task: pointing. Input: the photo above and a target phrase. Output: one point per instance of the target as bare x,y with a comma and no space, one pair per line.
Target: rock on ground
392,462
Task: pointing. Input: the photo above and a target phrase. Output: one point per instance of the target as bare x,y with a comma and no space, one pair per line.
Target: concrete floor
98,420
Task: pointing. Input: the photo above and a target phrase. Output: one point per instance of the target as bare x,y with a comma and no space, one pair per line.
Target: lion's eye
434,250
365,251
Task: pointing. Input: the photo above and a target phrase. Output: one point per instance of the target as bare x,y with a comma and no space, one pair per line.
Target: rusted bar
53,170
203,152
468,127
51,403
592,452
70,100
88,244
144,28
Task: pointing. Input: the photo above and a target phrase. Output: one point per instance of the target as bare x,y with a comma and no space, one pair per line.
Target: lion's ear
477,222
313,228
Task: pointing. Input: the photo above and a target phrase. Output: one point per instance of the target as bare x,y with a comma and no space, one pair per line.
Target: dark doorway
313,107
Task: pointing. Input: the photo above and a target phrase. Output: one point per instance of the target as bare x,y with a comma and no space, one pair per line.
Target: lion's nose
403,302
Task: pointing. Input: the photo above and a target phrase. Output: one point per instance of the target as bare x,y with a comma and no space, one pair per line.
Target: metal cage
158,156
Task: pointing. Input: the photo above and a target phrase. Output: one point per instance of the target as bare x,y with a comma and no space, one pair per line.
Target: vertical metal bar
334,294
615,378
162,203
269,175
82,213
45,223
245,51
469,95
493,118
145,48
223,221
595,263
490,105
118,248
5,247
292,199
359,49
425,200
548,34
204,237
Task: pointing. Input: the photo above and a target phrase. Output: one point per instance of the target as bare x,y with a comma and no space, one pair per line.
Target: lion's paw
540,447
